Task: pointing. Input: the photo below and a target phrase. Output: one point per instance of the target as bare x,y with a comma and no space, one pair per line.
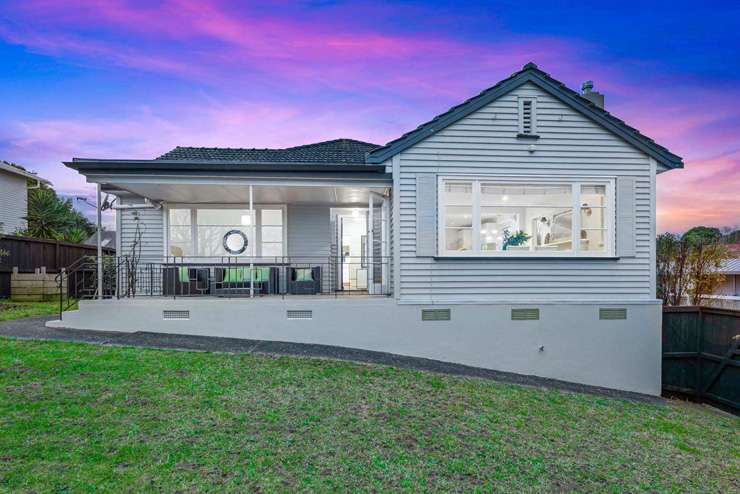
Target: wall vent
612,314
176,314
300,314
525,314
527,117
436,314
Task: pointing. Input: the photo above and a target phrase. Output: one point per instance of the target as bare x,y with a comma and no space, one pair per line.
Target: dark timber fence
701,354
29,254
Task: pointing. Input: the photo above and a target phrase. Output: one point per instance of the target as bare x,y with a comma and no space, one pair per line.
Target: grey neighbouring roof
337,151
731,266
19,170
108,239
530,73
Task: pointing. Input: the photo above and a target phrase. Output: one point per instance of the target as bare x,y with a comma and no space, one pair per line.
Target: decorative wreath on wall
232,243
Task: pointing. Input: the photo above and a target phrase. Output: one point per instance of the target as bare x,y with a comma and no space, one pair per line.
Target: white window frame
521,101
574,182
194,226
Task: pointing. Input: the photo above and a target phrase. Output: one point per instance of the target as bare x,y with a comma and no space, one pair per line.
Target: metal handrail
129,277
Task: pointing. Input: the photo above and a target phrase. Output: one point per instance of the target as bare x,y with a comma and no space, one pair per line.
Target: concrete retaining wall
569,341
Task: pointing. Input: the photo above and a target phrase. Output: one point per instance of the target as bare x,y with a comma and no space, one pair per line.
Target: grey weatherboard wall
570,146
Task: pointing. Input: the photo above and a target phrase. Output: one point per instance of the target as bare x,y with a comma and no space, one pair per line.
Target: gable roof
9,167
529,73
337,151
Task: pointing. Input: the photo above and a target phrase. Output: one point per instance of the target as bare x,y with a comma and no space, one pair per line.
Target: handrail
135,276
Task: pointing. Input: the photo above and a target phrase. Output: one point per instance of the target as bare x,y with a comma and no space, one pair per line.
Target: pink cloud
704,193
344,79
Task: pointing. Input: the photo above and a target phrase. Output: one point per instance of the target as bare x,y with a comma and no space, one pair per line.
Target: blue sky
133,79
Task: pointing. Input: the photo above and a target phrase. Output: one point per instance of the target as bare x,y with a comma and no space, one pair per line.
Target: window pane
180,234
593,195
458,193
593,218
494,222
525,195
223,217
461,216
526,229
272,217
179,217
458,239
272,233
180,240
593,240
272,249
211,240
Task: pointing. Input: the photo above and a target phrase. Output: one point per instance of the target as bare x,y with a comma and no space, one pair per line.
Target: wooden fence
701,354
29,254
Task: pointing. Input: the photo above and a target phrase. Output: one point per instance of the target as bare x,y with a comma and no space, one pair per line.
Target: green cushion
235,275
241,275
184,274
305,274
261,274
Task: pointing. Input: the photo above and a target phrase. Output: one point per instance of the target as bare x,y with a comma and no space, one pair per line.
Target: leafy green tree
52,217
702,235
689,265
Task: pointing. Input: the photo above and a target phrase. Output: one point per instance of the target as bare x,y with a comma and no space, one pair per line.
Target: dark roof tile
337,151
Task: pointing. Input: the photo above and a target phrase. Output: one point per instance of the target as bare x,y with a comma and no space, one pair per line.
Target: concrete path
34,328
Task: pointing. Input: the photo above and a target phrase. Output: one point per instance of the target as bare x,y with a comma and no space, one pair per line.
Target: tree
705,259
702,235
689,265
671,258
52,217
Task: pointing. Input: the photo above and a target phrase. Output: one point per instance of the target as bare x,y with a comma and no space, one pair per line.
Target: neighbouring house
14,184
108,239
515,231
727,295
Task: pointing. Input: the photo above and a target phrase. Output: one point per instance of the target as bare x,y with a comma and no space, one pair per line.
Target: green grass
11,309
86,418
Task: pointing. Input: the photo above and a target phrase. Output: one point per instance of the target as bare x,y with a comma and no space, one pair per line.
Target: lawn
11,309
84,418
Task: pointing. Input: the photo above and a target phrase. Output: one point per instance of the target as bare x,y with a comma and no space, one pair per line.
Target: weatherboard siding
13,202
151,225
485,143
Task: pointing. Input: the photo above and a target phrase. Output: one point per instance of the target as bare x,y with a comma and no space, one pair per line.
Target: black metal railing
233,276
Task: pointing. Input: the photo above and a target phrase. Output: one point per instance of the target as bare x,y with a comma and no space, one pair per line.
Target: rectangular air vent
612,314
300,314
525,314
435,314
176,314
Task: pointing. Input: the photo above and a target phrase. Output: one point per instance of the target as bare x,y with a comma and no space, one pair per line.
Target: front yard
12,309
83,418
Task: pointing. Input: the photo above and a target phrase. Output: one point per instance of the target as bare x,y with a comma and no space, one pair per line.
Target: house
727,295
515,231
14,184
108,239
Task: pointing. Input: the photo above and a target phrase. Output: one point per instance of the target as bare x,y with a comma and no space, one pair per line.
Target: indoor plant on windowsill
514,239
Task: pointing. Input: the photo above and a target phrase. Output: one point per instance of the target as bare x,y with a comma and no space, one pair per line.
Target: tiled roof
530,72
337,151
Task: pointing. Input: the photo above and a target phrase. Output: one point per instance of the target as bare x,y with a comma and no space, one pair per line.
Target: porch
246,236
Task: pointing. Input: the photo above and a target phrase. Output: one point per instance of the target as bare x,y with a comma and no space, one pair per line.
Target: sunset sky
132,79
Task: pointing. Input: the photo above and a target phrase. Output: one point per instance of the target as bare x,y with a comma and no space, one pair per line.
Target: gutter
148,204
86,165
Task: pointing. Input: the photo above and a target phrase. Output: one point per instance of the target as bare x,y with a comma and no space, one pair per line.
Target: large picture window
488,217
226,231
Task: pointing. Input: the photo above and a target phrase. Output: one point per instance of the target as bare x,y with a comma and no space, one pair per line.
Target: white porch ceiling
263,194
